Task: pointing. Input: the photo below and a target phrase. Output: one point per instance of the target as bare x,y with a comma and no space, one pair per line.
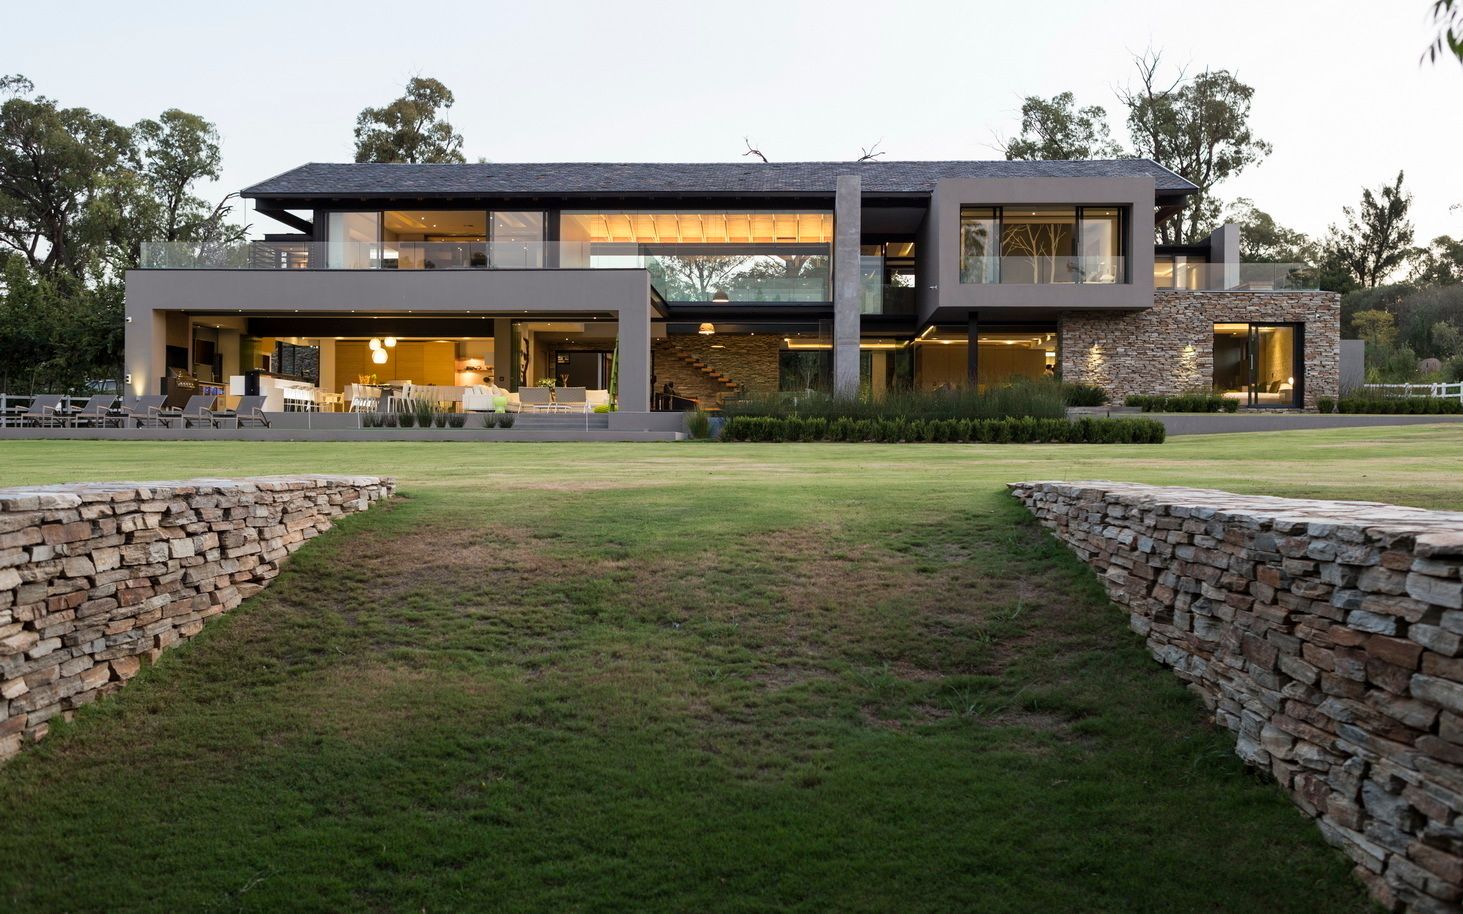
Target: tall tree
59,170
1055,128
1440,263
1262,239
414,128
1377,238
1448,18
1197,128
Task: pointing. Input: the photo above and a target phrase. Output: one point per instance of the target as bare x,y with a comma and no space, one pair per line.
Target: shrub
456,420
370,420
406,419
1181,403
1419,406
1074,394
699,424
439,418
424,412
1325,404
1019,397
388,420
505,420
1021,429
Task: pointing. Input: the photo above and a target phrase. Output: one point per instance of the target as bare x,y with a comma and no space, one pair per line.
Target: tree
1439,264
413,128
1377,239
1054,129
59,171
1448,17
1263,240
1198,129
1378,328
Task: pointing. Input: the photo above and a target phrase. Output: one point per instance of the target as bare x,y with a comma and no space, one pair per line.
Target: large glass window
978,245
352,240
718,257
517,241
1179,271
1042,244
943,357
1257,364
434,239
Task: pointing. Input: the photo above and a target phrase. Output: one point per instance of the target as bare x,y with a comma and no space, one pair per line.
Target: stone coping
72,494
1440,533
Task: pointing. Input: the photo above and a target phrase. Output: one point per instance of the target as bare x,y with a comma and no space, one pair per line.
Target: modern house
724,278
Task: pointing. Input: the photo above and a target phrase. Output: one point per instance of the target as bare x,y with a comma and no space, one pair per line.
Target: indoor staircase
695,378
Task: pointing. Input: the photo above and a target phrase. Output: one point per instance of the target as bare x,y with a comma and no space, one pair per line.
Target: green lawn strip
742,678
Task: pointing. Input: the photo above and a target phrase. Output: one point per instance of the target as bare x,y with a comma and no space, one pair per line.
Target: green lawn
690,677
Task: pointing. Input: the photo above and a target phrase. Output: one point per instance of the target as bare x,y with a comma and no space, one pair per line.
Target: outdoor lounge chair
97,412
141,410
199,408
250,409
44,409
534,397
572,398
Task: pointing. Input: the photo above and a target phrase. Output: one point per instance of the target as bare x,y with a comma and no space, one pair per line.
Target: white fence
1452,391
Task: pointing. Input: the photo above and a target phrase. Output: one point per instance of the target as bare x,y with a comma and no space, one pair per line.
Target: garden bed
899,429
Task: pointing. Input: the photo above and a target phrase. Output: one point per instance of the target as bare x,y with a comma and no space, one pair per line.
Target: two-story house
723,278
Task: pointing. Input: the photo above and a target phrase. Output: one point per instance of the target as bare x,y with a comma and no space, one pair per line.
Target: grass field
686,677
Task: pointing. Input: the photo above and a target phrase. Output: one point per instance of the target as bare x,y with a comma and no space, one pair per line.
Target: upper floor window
1042,244
1179,271
720,257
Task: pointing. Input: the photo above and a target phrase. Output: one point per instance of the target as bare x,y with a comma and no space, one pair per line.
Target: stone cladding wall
1328,636
98,578
1169,348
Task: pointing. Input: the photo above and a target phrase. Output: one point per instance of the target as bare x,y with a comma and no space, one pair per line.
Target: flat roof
488,179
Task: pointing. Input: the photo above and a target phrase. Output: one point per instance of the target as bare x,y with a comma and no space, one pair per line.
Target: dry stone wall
1169,348
98,578
1328,636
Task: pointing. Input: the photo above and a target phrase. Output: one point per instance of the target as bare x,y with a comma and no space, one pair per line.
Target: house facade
676,284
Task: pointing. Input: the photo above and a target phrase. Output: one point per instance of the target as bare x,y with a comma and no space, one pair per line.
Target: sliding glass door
1258,364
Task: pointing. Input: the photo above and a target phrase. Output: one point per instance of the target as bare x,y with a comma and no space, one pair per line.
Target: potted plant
439,419
456,420
490,420
406,418
388,420
505,420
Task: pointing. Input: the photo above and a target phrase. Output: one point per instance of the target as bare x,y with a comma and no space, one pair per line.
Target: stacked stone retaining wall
98,578
1328,636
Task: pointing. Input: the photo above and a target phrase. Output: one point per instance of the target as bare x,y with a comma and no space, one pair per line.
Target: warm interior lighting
391,340
720,297
378,356
375,344
706,329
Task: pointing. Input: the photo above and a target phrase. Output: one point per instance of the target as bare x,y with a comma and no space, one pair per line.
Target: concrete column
503,356
145,339
327,363
1224,257
634,359
847,283
972,355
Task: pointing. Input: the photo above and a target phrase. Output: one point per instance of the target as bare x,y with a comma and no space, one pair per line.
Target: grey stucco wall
950,299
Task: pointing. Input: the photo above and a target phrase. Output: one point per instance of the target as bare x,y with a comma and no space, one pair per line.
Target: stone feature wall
97,578
1328,636
1169,348
748,360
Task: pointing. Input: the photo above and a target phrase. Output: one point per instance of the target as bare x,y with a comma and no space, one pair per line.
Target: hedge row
1183,403
1022,430
1414,406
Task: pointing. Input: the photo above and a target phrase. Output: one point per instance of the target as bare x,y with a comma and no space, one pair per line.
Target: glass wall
719,257
352,240
1179,271
942,357
433,239
1042,244
1257,364
518,240
888,276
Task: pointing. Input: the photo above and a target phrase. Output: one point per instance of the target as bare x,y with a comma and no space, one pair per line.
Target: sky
1339,90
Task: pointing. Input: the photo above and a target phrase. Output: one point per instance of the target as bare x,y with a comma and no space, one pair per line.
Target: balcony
800,274
1043,269
1234,277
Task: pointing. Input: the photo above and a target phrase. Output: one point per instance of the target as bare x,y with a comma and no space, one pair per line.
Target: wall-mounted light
706,329
720,297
